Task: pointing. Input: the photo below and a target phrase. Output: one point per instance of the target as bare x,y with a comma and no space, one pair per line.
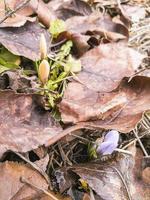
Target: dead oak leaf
25,40
105,66
114,179
19,18
97,24
120,109
23,125
95,99
13,188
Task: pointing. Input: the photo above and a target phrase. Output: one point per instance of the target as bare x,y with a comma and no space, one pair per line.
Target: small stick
23,180
132,142
123,151
140,143
21,5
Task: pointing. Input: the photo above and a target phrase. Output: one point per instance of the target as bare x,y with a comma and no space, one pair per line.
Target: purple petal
112,136
110,143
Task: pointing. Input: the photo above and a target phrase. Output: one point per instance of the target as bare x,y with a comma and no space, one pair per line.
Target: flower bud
44,70
43,47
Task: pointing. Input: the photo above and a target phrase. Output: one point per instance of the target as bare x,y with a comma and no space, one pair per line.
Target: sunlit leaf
57,26
72,65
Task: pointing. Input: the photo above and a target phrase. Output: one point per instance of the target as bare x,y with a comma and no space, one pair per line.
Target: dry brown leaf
19,18
120,109
45,15
105,66
112,180
97,23
93,95
24,126
135,13
16,20
146,175
24,41
67,9
12,4
12,188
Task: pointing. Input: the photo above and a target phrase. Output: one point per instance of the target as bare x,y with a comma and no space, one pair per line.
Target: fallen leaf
106,65
25,40
19,18
95,97
146,175
42,163
99,24
120,109
71,8
112,180
18,82
13,188
134,12
24,126
12,4
45,15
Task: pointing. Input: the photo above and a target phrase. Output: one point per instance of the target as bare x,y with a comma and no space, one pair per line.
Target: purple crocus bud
109,144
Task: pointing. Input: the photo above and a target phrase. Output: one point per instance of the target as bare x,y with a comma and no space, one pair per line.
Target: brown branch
20,6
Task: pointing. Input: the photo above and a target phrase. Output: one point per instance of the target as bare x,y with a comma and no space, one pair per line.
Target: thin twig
123,151
63,155
23,180
140,143
20,6
132,142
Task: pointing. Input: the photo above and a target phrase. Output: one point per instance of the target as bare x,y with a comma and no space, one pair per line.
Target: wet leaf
24,125
24,41
12,172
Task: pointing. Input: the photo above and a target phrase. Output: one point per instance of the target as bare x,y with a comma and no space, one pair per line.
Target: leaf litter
58,83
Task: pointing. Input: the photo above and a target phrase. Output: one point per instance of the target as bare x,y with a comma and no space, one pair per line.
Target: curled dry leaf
24,41
24,126
12,172
97,27
18,82
45,15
